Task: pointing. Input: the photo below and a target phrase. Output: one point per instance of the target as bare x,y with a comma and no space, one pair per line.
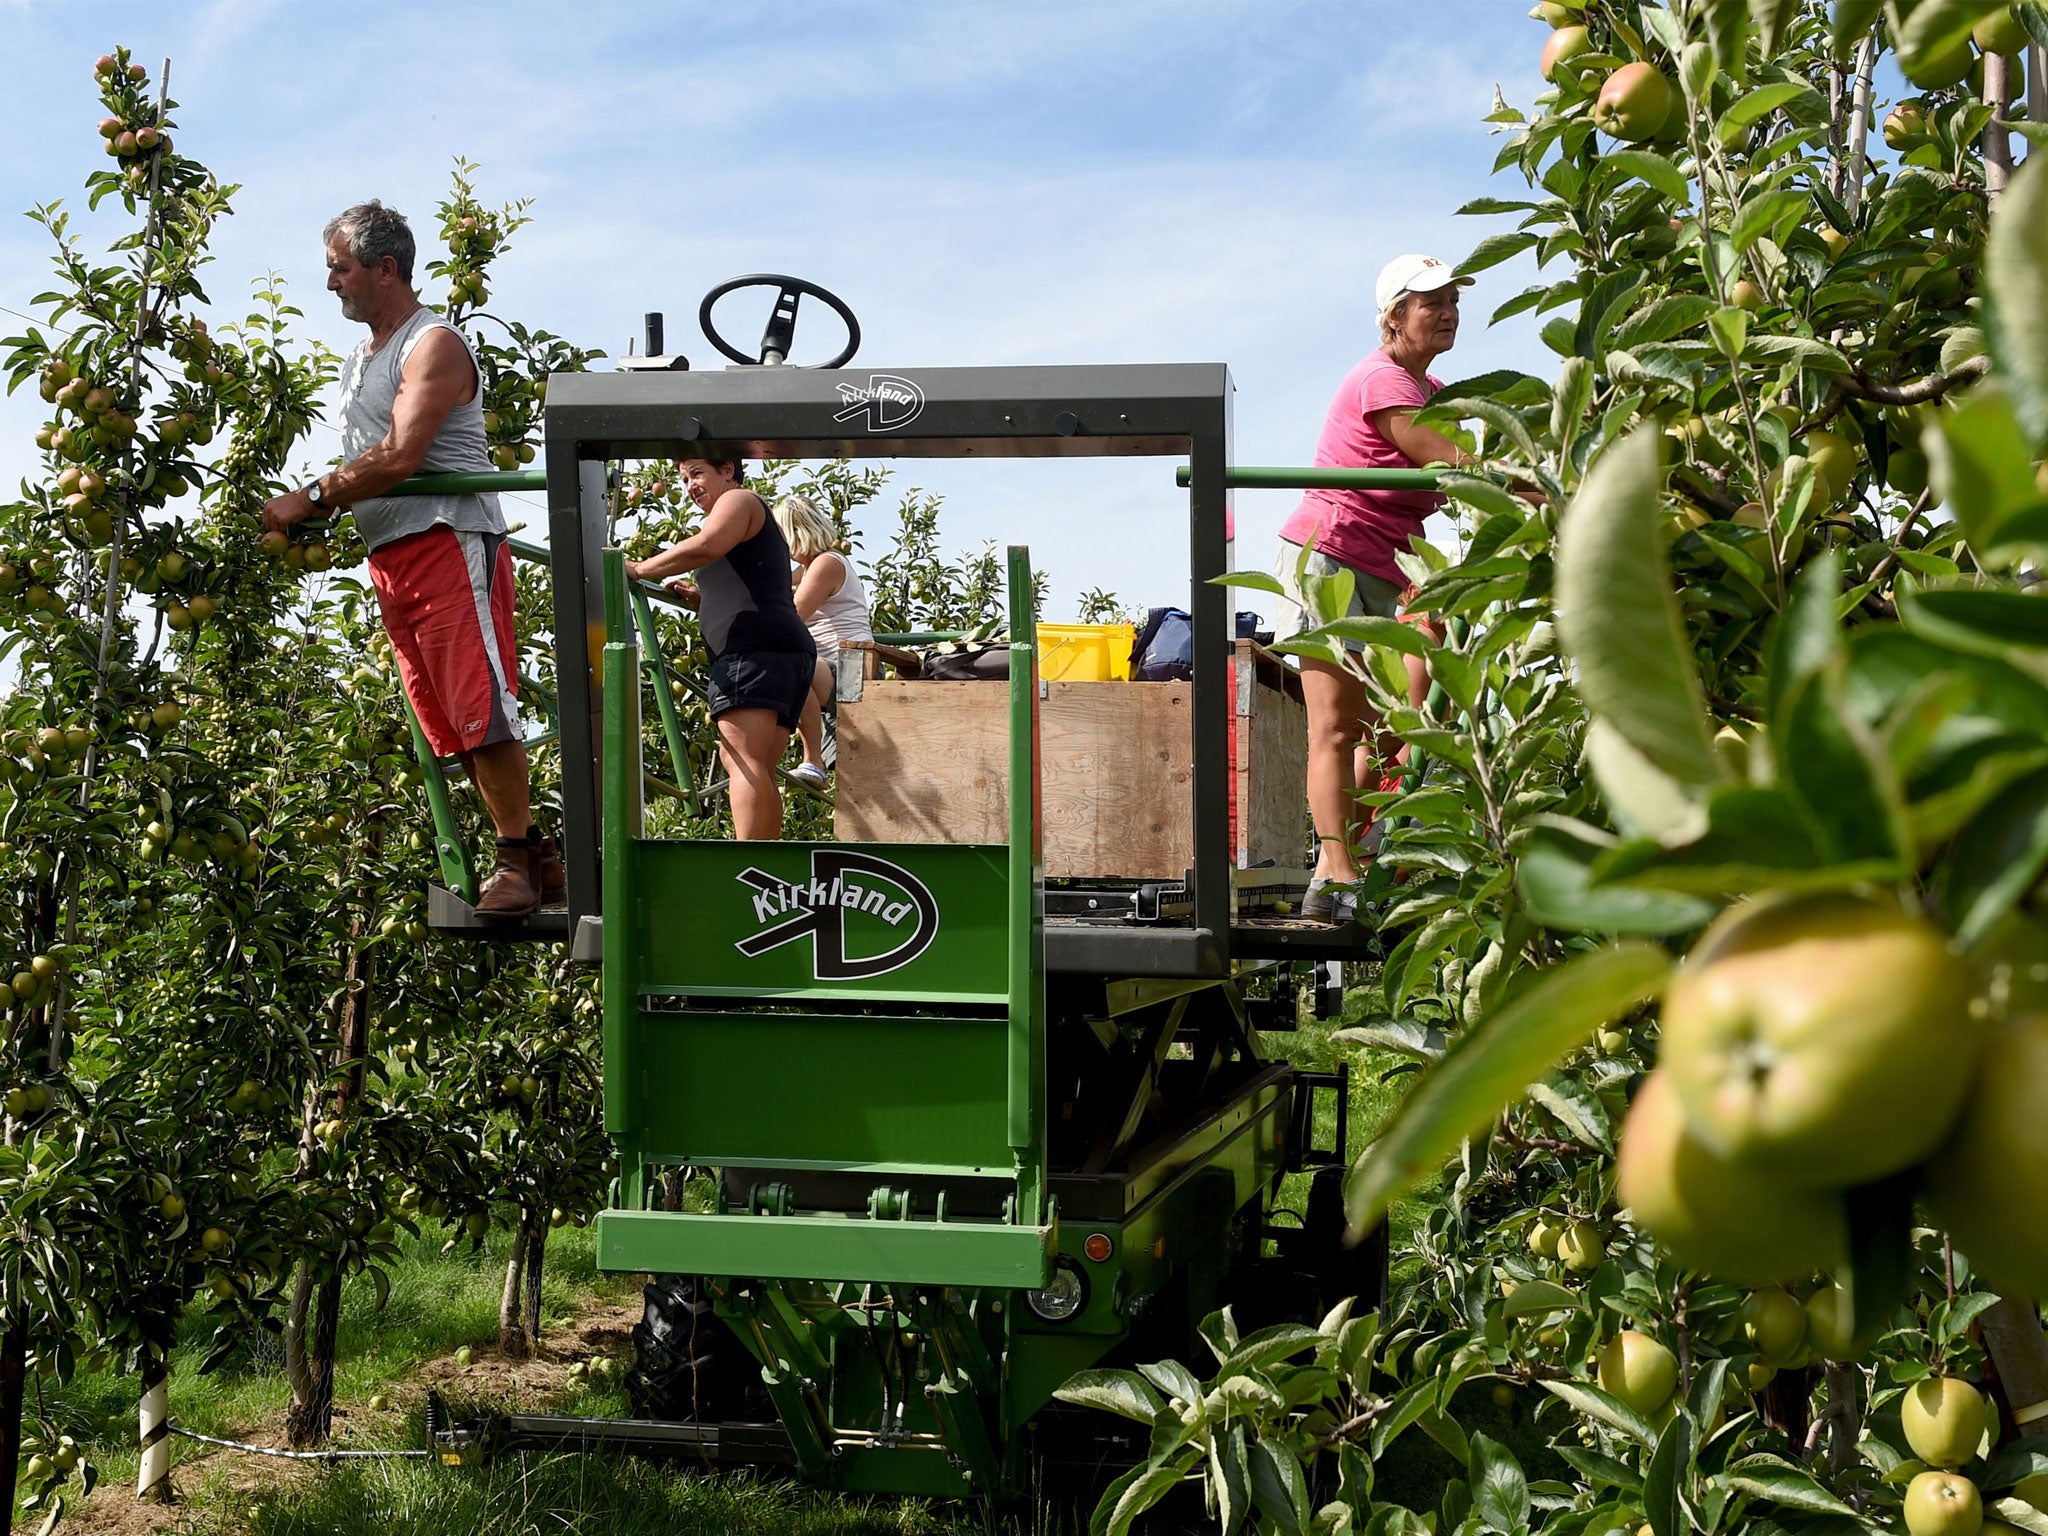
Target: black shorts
777,680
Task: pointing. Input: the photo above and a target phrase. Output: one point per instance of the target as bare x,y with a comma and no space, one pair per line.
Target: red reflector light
1097,1246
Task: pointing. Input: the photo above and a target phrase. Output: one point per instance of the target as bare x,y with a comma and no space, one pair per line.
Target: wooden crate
923,761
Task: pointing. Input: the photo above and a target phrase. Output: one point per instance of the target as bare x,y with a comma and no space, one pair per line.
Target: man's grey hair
371,231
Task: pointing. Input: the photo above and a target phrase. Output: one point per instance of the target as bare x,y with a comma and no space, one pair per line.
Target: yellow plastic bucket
1086,653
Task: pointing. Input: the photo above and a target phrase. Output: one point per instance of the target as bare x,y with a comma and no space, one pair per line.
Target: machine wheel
684,1364
1359,1271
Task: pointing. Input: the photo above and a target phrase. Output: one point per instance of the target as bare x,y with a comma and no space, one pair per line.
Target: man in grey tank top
412,400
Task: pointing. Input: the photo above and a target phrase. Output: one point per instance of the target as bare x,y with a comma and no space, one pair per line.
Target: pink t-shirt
1365,529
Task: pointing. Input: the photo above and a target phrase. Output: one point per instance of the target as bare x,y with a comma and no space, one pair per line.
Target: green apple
1746,295
1939,70
1566,44
1834,462
1774,1324
1543,1237
1994,1167
1943,1419
1712,1214
1827,1325
1637,1369
2001,32
1633,102
1825,1039
1580,1247
1943,1504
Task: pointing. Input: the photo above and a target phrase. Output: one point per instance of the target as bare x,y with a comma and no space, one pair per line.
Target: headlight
1063,1298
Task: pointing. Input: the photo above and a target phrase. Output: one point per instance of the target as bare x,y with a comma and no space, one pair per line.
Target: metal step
448,913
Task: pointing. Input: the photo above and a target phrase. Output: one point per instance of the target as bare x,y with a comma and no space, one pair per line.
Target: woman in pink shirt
1371,425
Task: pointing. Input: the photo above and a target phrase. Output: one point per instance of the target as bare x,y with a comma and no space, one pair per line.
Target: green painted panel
718,1088
881,920
826,1248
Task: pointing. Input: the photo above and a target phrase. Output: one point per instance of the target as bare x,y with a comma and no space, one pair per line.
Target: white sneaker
810,775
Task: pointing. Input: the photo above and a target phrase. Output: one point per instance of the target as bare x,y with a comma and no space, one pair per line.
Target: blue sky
985,183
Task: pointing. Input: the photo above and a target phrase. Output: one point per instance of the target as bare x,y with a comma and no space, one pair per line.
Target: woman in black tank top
762,654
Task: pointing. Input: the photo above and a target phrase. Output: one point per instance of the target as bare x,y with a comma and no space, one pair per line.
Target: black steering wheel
781,328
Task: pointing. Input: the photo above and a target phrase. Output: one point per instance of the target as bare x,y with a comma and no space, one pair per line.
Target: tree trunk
536,1260
512,1335
309,1418
1998,83
153,1435
13,1378
2013,1338
315,1316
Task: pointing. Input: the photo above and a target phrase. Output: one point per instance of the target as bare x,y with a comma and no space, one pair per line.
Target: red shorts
447,603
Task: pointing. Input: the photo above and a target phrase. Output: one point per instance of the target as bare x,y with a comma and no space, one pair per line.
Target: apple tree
1716,956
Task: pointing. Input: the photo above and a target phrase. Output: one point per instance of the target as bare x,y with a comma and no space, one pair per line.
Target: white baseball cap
1413,274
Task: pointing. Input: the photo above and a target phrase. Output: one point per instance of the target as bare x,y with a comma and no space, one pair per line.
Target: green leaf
1553,875
1771,18
1809,636
1391,633
1605,1407
1413,1401
1768,1477
1120,1392
1174,1379
1574,1106
1652,169
1979,461
1229,1478
1500,1489
1533,1298
1997,858
1665,1475
2007,626
1671,316
1645,800
1495,1060
1494,250
1598,1469
1728,33
1763,214
1269,1346
1619,619
1278,1489
1841,775
1935,26
1146,1487
1730,327
1853,21
1756,105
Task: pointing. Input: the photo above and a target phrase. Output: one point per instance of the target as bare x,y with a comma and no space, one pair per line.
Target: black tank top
746,603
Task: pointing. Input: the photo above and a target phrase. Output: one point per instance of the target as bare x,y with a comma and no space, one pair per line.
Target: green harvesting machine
906,1138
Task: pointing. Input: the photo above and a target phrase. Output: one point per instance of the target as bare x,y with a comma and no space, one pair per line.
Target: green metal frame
694,919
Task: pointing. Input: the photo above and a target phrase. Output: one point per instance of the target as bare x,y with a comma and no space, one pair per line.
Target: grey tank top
369,388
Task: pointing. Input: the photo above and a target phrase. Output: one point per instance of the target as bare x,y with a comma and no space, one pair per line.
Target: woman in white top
831,600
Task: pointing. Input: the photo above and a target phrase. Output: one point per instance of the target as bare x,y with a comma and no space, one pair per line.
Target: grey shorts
1371,596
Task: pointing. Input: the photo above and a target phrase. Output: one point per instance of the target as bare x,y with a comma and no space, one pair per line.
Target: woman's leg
751,743
1337,719
810,724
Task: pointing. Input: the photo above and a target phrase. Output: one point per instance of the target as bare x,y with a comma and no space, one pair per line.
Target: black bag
1165,647
987,661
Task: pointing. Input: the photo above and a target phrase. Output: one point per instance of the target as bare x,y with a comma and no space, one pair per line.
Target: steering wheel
781,328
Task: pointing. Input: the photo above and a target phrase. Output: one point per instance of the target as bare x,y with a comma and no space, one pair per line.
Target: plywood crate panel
923,761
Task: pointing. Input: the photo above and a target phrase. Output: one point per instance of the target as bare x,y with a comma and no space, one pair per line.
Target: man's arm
438,377
734,517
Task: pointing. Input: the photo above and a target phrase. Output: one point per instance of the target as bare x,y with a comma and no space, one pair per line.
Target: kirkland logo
853,904
888,402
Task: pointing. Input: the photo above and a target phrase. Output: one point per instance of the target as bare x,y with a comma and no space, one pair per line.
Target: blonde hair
1390,317
809,531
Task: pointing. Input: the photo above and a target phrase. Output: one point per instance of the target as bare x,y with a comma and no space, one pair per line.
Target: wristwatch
313,493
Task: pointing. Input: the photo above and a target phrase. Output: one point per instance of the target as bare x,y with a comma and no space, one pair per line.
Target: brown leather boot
514,887
554,880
